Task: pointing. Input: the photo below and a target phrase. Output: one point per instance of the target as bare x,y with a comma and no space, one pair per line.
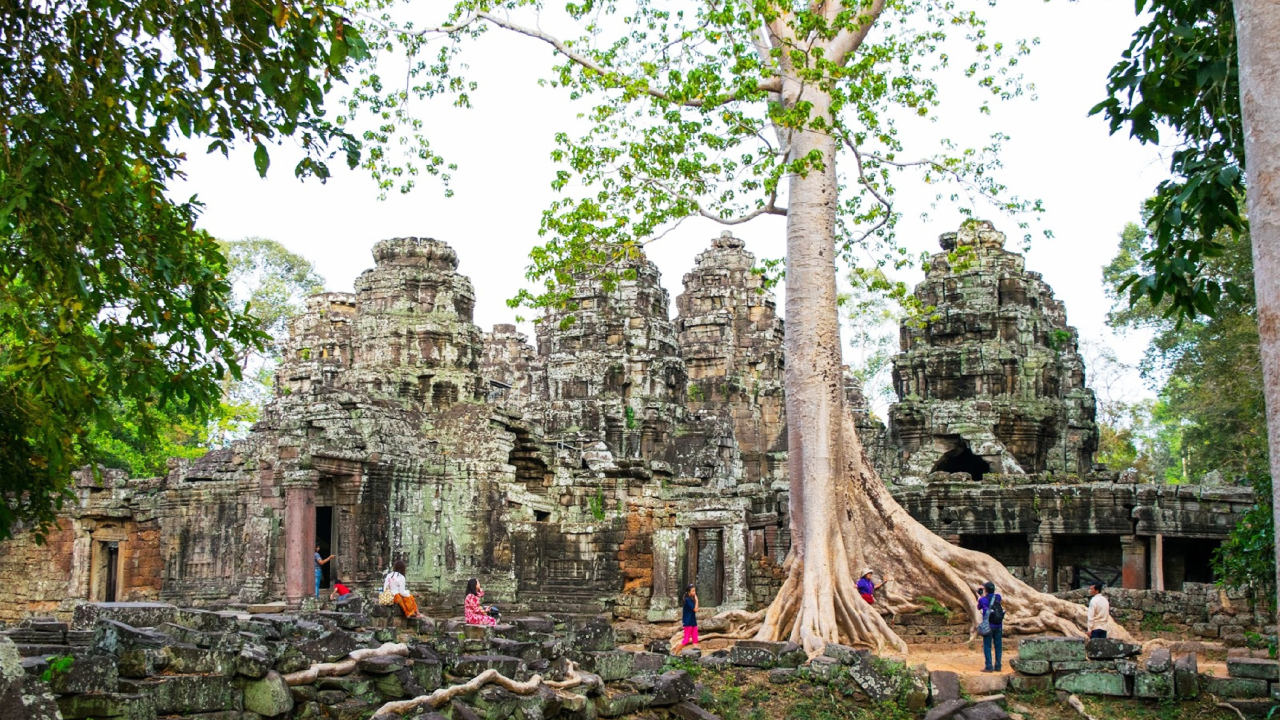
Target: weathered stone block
133,614
983,711
1260,669
1031,683
671,687
190,660
842,653
254,661
471,665
186,694
1160,661
1093,682
647,663
89,674
617,704
1243,688
109,706
381,665
1186,677
331,646
1052,649
781,676
755,653
1030,667
945,685
268,696
822,669
1109,649
595,634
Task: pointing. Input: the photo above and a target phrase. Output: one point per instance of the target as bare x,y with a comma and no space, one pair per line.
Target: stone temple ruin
625,453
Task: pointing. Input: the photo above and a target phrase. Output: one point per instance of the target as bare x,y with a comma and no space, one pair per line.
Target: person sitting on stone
1099,611
473,612
395,584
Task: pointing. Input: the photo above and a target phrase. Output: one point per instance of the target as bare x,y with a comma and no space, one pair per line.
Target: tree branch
848,41
769,208
772,84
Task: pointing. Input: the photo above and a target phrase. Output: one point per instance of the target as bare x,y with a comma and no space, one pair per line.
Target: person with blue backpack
992,626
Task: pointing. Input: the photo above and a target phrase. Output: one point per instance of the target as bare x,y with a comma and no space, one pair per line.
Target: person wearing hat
867,587
992,608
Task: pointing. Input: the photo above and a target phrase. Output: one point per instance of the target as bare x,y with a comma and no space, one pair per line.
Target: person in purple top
867,587
990,605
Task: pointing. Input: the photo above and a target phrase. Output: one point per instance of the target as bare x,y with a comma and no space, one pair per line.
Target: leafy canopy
110,300
690,109
1180,73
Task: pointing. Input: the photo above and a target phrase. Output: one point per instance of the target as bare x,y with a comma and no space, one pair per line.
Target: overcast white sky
1091,183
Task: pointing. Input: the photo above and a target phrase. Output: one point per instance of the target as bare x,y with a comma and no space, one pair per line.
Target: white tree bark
1257,34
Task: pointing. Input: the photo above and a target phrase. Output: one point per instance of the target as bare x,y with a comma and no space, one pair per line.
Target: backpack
996,615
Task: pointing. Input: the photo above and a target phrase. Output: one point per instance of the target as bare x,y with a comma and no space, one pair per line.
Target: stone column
299,542
1133,552
1157,563
1041,560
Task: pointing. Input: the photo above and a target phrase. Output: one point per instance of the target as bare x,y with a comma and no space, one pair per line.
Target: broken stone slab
755,653
331,646
342,620
1186,676
781,676
134,614
688,711
1161,661
22,697
1256,668
714,662
526,651
107,706
822,669
534,624
843,653
648,663
1030,667
983,711
113,637
945,686
1235,688
617,704
186,694
268,696
472,665
267,608
1109,649
381,665
1052,649
1093,682
91,674
206,620
671,687
1153,685
947,709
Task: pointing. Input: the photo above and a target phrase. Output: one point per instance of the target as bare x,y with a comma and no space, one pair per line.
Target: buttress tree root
859,524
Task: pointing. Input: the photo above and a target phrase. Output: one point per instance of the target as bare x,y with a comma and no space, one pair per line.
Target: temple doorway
325,538
705,565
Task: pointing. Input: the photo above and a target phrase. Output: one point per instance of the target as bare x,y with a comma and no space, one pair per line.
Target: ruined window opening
542,515
1188,560
1011,549
705,564
324,538
1082,559
962,459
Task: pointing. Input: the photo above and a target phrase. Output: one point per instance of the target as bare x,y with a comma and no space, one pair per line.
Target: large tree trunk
842,515
1257,27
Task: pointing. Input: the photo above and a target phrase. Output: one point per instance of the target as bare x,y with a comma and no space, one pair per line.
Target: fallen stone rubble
146,661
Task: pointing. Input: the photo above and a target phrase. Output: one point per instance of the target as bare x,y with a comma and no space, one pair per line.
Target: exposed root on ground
345,666
444,695
819,602
1078,706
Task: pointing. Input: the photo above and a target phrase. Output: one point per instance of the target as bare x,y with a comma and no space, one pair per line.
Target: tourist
473,612
991,606
320,563
395,584
867,587
1099,611
689,619
340,591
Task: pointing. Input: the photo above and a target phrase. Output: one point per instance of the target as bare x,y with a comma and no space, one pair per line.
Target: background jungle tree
110,300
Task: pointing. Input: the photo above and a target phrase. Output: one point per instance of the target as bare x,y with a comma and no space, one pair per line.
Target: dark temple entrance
324,538
705,565
961,459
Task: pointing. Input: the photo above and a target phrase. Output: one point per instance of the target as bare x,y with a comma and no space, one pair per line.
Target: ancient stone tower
992,381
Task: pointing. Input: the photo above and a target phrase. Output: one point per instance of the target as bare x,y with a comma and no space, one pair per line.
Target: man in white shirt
1099,611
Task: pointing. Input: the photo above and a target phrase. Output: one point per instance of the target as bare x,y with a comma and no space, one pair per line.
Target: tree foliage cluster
1180,77
1209,415
110,300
